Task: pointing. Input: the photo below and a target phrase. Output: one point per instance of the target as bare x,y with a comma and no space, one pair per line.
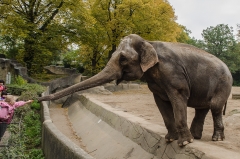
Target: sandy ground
141,103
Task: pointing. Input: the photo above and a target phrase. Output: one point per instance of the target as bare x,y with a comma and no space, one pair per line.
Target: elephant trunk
108,74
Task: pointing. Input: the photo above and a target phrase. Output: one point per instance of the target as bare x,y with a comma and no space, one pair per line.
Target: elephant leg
218,133
178,100
166,110
198,122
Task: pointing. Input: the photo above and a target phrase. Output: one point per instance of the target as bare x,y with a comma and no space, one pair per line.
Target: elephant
179,76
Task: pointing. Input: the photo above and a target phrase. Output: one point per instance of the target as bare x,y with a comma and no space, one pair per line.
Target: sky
198,15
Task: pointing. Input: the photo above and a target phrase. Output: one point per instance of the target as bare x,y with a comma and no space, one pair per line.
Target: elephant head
132,58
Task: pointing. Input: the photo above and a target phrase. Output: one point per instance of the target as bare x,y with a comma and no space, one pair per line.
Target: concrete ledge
235,96
60,70
101,140
58,146
55,145
110,133
151,136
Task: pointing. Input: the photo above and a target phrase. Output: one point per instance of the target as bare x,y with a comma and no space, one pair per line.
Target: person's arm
2,103
22,103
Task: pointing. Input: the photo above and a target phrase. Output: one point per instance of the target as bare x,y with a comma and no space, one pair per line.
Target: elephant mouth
128,76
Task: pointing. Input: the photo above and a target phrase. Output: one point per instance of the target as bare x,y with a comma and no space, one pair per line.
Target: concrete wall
60,70
15,68
7,65
61,83
55,145
150,137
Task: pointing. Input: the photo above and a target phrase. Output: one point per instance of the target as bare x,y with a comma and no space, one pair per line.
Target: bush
32,90
44,77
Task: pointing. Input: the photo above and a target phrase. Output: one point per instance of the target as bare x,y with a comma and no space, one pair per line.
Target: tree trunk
29,52
114,47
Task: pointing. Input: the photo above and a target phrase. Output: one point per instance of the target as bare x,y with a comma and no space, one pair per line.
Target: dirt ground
141,103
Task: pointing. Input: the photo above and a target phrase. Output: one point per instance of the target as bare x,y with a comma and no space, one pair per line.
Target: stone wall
60,70
4,68
15,69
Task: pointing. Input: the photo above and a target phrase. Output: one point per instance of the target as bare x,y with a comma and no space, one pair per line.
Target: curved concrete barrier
55,145
109,133
88,114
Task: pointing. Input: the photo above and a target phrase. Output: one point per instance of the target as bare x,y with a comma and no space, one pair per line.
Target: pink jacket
1,88
7,110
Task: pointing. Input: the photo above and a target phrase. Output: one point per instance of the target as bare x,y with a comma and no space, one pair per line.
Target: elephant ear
148,56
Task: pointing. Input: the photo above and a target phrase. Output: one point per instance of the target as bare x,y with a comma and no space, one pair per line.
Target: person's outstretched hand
29,101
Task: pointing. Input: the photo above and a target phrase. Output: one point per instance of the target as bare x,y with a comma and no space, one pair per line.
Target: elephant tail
224,109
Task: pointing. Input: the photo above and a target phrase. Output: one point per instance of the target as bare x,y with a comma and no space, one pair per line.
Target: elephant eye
123,60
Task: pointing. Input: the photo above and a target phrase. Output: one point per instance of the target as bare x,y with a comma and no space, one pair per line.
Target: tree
44,28
114,19
153,20
184,37
238,32
220,42
9,45
195,42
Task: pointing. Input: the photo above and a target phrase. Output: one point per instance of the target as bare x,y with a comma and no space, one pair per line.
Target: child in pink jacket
2,86
7,108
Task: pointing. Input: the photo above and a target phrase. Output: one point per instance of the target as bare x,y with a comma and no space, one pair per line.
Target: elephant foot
185,137
218,136
196,132
171,136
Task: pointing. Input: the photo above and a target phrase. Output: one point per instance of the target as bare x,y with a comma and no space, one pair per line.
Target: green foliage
238,32
44,77
19,81
41,29
184,37
35,34
220,41
32,129
29,90
35,105
236,78
112,20
72,59
8,46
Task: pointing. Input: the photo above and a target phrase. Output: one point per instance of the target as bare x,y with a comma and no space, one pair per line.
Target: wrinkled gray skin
178,75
